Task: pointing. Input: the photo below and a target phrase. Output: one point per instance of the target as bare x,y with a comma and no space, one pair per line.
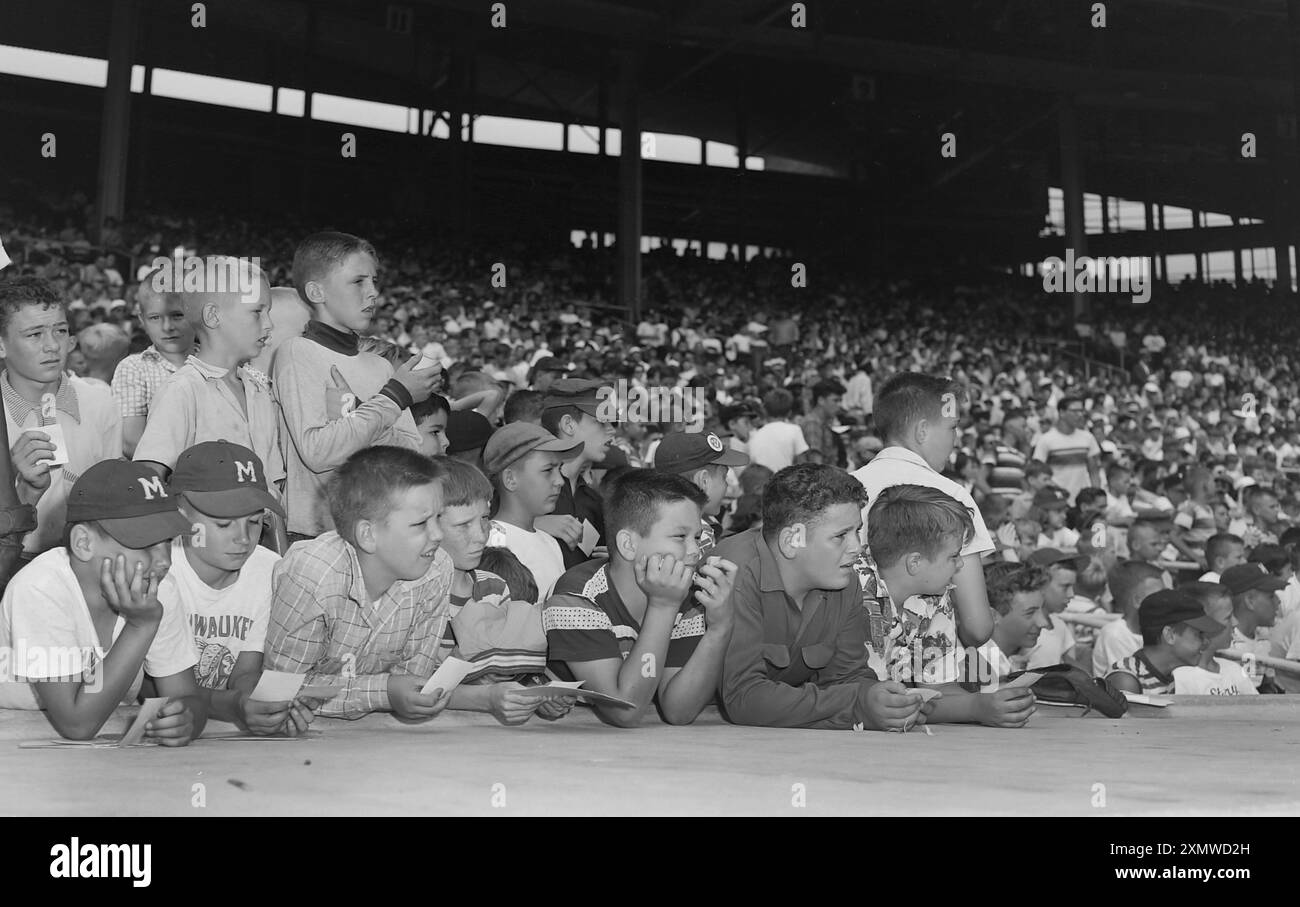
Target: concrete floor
1201,756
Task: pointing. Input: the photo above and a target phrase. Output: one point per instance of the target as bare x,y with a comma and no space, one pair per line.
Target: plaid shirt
138,378
323,624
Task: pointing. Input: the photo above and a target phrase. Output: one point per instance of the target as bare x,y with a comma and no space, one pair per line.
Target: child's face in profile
246,321
350,293
1187,643
465,533
716,490
1025,620
676,531
433,434
1055,518
936,573
407,539
1059,590
827,551
538,480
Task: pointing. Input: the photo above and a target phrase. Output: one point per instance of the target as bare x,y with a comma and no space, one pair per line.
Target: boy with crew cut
220,581
365,606
334,399
46,410
629,626
486,624
524,463
91,607
918,416
702,458
916,537
798,656
216,395
139,376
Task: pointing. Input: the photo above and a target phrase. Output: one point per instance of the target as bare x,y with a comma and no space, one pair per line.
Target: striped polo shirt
1068,456
1150,679
1008,474
586,620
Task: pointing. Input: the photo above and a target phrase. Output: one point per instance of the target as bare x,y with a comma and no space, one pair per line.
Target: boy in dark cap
705,460
467,433
94,603
1175,631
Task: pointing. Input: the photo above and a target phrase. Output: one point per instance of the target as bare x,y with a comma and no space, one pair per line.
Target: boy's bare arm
184,716
974,616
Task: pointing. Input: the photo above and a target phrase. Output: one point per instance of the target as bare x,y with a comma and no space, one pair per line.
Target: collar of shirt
894,452
151,354
347,343
65,398
216,373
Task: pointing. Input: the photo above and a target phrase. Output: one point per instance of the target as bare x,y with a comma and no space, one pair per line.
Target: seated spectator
1175,633
1222,550
1016,596
1213,675
1130,583
1056,644
779,442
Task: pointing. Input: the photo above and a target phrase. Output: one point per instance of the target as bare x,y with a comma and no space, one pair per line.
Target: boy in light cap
523,461
220,580
217,395
705,460
88,618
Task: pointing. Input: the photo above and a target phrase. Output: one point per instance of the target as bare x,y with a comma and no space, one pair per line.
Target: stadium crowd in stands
966,482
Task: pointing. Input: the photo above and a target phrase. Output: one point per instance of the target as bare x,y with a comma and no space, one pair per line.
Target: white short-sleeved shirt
1115,642
776,444
900,466
1193,680
222,622
1052,644
536,550
45,622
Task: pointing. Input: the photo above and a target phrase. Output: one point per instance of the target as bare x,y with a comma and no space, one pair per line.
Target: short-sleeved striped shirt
1150,679
586,620
1007,476
502,636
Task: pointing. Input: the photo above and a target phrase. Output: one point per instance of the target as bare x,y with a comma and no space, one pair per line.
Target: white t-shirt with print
536,550
222,622
1192,680
46,625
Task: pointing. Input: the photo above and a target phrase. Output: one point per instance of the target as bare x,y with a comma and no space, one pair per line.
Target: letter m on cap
245,472
153,487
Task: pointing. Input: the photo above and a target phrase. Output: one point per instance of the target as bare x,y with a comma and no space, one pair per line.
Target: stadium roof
1163,93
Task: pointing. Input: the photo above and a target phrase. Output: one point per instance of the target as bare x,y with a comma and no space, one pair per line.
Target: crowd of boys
297,479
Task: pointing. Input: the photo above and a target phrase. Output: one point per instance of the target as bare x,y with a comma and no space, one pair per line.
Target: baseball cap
1169,606
467,430
518,439
548,364
1051,498
681,451
1046,557
1245,577
130,501
223,480
584,393
736,411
